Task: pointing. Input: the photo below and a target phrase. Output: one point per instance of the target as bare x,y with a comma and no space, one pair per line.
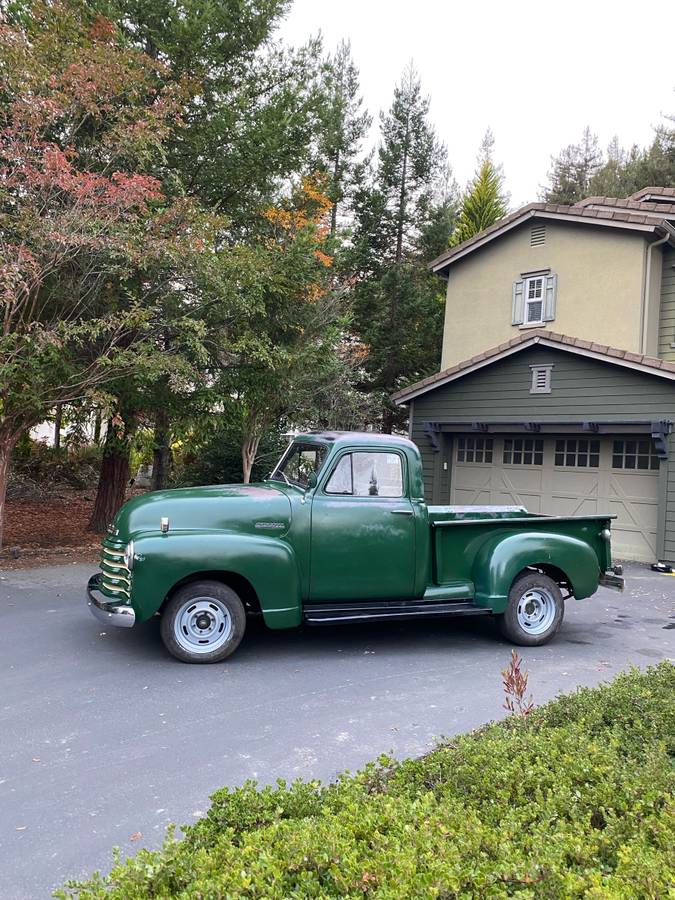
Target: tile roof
549,339
654,192
644,215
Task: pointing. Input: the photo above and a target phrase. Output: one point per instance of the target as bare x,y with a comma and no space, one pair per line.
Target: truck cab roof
341,438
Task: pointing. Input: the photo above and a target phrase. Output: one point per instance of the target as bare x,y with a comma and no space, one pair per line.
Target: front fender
502,557
268,564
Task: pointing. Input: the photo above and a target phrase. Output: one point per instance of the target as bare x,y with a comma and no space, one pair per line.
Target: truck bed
459,532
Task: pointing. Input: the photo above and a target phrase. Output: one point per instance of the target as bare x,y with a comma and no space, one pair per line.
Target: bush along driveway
573,800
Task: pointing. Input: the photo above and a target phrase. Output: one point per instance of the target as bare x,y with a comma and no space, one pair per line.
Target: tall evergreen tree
343,125
484,202
398,305
572,171
410,160
626,172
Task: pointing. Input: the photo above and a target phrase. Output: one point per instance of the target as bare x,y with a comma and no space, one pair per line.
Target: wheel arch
503,557
262,569
239,584
554,572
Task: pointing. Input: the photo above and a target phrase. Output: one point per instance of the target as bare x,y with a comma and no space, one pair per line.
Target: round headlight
129,555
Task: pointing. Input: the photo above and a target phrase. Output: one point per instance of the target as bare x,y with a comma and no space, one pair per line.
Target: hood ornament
164,524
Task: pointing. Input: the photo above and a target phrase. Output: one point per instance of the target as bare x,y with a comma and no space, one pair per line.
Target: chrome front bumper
109,612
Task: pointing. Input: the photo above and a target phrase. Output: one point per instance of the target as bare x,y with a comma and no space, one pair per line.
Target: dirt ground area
49,531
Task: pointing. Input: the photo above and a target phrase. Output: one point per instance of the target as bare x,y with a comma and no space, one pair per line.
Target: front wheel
534,612
203,622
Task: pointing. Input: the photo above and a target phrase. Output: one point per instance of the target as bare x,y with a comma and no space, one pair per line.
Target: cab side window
362,474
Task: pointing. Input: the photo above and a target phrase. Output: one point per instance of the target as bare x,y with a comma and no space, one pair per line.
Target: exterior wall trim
404,397
440,265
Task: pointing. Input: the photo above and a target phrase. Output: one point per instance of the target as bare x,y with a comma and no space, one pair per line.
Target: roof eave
443,262
416,390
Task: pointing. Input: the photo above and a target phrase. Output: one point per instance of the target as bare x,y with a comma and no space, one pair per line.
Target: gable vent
541,379
537,235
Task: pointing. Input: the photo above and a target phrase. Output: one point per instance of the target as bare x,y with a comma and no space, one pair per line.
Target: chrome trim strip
112,565
114,589
108,612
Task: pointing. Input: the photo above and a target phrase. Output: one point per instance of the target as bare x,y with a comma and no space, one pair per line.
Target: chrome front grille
116,576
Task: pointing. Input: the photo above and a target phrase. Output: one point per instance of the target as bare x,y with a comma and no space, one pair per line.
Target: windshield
298,463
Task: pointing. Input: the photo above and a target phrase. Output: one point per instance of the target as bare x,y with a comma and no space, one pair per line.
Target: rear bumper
109,612
612,580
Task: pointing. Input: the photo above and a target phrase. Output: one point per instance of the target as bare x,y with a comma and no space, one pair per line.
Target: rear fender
502,557
268,564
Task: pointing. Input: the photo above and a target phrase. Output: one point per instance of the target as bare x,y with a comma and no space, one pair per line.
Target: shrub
38,468
574,800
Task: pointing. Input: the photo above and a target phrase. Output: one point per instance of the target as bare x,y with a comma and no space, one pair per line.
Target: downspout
644,320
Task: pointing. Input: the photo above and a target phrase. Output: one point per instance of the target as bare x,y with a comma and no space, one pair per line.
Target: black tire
547,608
214,605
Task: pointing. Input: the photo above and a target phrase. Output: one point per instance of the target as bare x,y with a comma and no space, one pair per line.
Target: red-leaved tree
88,240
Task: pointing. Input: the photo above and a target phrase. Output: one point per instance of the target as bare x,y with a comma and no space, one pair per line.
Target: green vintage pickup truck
339,532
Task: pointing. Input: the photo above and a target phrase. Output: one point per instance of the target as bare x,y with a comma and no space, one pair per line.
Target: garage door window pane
640,455
523,451
578,453
474,450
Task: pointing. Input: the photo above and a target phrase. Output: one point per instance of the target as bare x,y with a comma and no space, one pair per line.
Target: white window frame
541,299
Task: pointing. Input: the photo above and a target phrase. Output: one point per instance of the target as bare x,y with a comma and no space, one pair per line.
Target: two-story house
557,387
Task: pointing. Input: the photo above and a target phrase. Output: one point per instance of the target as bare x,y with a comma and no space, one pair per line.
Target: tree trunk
112,482
387,419
6,446
97,426
402,201
58,421
249,451
336,190
161,454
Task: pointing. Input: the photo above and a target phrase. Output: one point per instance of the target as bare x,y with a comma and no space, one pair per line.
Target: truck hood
253,508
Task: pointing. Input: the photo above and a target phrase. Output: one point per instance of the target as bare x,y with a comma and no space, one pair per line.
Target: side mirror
312,481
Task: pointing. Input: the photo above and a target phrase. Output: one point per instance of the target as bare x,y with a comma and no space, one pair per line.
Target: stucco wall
600,284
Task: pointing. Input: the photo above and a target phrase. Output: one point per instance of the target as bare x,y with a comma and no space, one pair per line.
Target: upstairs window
534,299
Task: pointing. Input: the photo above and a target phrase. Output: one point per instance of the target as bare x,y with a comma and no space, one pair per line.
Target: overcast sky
535,72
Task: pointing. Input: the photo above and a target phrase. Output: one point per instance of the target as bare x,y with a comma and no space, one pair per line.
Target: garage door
567,476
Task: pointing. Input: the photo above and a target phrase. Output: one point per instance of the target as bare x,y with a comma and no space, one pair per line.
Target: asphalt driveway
104,739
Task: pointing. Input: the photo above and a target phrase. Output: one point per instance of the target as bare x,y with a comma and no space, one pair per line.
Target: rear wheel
534,612
203,622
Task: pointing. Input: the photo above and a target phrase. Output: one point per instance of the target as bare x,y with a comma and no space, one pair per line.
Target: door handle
401,512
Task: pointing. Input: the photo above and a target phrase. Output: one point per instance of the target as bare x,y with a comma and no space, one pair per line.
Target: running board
374,611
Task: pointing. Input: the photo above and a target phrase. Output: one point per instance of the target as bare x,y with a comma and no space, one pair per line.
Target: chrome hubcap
202,625
536,611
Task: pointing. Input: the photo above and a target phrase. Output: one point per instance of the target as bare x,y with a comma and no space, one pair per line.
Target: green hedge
575,801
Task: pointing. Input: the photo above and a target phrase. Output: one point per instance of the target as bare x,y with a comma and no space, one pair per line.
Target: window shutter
549,302
518,308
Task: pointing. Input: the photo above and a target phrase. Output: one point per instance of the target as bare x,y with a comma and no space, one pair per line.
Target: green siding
418,435
667,314
582,390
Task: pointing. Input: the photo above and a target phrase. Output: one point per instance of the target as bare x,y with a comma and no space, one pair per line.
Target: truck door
363,529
